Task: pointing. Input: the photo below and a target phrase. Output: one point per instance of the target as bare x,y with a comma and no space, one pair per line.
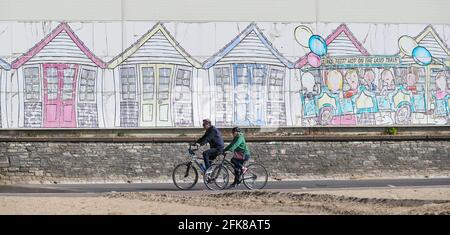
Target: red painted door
59,95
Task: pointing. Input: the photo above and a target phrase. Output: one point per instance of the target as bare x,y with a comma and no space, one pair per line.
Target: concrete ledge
253,134
329,138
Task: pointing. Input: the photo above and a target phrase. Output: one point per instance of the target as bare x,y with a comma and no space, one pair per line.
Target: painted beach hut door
59,95
249,97
155,103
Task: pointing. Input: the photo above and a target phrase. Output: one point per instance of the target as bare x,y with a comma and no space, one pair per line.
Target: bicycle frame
194,159
226,163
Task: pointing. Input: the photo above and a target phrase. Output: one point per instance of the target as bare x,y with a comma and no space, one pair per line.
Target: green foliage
391,131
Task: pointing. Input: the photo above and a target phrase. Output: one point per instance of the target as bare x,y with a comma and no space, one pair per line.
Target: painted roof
155,46
61,45
250,46
341,42
431,40
4,65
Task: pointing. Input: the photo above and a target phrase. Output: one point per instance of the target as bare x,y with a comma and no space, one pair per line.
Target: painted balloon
314,60
302,34
317,45
421,55
407,44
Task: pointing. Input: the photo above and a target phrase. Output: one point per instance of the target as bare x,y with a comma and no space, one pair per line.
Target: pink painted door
59,95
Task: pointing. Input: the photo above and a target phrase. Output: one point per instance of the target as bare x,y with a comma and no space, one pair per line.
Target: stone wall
66,162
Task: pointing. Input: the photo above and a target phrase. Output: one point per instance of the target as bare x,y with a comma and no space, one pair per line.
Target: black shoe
208,178
234,184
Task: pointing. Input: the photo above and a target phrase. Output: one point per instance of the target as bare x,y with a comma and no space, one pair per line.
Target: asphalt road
31,189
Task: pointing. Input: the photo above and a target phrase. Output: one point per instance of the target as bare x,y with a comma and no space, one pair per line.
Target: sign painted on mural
362,61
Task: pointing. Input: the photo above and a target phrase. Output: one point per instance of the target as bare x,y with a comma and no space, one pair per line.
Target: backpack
238,155
241,156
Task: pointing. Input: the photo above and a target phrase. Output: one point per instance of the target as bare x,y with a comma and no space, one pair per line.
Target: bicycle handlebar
193,149
224,154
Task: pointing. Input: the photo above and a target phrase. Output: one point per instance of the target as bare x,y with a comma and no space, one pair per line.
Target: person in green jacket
241,154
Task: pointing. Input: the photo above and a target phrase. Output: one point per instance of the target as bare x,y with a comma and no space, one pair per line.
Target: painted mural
345,85
4,66
172,74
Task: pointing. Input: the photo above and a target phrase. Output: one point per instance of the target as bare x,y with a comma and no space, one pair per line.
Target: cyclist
241,154
215,140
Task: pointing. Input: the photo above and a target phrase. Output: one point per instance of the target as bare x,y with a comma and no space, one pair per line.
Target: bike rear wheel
216,177
185,176
255,177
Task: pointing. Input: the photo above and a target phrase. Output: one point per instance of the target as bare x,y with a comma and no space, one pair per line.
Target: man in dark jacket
215,140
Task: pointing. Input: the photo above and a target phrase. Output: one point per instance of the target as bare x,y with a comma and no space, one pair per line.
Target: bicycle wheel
185,176
216,177
255,177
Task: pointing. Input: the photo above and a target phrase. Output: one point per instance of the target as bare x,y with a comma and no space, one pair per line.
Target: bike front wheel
216,177
185,176
255,177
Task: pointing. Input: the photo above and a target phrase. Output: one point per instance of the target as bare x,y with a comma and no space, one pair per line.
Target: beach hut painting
60,80
250,78
155,77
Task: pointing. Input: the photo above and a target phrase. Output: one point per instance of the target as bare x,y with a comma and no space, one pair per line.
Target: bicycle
254,177
185,175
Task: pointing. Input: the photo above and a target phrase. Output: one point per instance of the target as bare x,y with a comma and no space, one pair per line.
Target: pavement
285,186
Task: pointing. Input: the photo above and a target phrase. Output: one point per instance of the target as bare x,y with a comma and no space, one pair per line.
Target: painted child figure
366,104
441,99
418,96
308,96
369,80
411,80
348,102
384,98
334,82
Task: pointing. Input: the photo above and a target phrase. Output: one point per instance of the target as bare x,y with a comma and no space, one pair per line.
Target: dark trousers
210,155
238,164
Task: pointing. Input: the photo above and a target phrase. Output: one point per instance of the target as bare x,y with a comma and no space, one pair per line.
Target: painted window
32,84
276,85
87,85
276,109
242,95
67,91
148,76
223,100
222,76
242,76
259,76
182,98
164,79
128,83
52,83
183,78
